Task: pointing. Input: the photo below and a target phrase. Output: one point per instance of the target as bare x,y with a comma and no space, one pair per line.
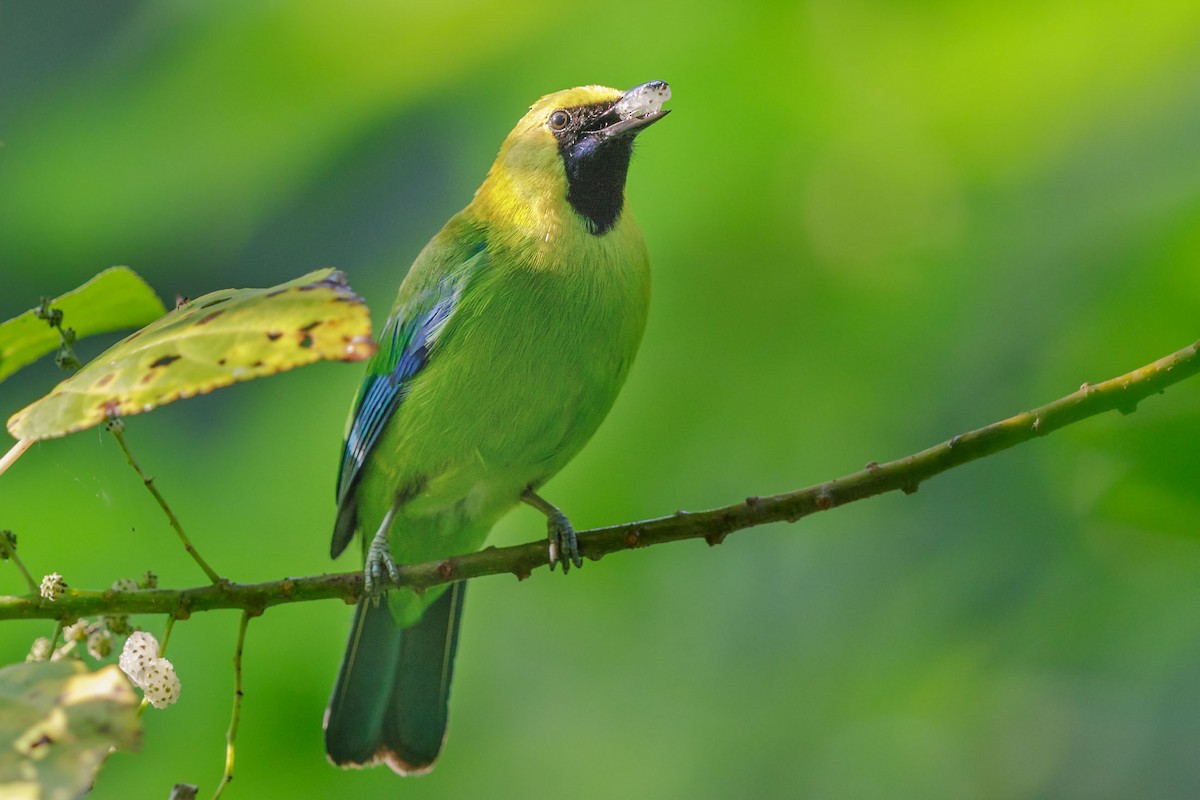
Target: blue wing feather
407,341
411,342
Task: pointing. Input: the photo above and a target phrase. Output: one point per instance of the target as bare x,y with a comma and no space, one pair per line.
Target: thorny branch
906,474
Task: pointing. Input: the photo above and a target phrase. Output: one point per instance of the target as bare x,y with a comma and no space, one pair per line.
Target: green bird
508,342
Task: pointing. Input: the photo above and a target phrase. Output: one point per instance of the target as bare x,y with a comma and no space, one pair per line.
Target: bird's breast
524,373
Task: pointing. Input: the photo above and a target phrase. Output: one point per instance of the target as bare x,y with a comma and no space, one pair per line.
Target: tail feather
391,699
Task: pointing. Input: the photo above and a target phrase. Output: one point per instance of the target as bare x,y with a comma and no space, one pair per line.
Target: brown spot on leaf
163,361
149,376
216,302
221,362
257,364
106,380
310,326
274,335
334,280
209,317
276,293
111,408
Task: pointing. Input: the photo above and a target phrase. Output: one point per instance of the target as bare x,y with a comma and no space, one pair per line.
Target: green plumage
510,338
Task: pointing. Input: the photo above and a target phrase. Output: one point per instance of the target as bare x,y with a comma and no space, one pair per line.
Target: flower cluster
139,658
52,587
95,637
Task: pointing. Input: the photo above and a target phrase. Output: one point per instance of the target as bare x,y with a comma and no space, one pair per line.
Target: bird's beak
637,109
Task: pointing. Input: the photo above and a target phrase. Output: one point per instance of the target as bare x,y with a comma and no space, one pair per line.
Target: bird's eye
559,120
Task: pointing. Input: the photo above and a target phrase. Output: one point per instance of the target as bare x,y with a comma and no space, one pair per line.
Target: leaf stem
162,646
15,452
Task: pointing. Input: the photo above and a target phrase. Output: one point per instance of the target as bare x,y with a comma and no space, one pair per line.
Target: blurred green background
873,225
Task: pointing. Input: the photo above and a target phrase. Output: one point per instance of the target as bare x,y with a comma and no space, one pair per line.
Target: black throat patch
595,168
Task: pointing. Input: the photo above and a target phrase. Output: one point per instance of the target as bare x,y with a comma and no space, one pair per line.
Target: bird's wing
408,341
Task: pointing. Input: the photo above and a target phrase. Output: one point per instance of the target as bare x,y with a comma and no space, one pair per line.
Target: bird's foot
378,568
564,545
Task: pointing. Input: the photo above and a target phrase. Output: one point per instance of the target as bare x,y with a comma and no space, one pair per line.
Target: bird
511,335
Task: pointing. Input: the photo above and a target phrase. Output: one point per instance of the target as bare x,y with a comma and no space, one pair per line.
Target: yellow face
562,169
530,153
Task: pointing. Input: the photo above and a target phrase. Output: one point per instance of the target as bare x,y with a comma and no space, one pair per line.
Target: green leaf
210,342
58,723
116,298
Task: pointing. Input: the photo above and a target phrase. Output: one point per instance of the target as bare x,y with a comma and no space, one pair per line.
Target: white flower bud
40,650
77,632
99,643
125,585
52,586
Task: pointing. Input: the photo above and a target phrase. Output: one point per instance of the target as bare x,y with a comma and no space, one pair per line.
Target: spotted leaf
210,342
116,298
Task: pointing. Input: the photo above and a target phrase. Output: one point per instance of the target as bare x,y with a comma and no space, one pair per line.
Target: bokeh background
873,225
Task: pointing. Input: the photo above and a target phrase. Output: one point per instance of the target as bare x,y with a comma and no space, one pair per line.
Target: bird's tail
391,697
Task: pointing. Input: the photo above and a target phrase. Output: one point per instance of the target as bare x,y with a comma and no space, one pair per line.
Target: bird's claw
378,568
564,545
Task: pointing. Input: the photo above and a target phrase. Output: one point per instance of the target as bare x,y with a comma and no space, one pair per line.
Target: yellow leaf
212,341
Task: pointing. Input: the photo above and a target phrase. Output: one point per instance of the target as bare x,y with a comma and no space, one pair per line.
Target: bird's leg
379,564
563,543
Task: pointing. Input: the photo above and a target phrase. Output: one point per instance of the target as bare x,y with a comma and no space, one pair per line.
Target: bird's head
572,151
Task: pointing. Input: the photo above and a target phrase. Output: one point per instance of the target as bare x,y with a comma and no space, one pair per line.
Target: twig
65,358
58,629
162,646
116,427
15,452
231,735
905,474
9,548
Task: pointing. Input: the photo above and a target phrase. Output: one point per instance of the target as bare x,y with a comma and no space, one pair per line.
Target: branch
117,428
905,474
